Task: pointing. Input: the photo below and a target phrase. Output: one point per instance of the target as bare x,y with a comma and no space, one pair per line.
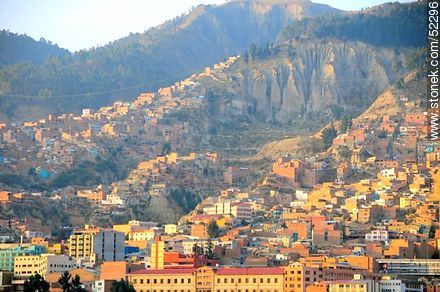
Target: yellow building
170,229
157,254
143,235
404,202
56,248
249,279
125,228
352,286
168,280
42,264
81,242
209,279
122,110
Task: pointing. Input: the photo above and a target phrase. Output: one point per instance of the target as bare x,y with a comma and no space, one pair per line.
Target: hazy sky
81,24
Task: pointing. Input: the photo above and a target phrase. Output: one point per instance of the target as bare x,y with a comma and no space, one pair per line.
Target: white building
109,245
115,200
389,173
242,211
396,285
170,229
42,264
301,195
101,285
218,208
377,235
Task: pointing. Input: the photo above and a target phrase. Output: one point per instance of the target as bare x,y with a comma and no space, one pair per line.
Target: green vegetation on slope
139,62
15,48
392,25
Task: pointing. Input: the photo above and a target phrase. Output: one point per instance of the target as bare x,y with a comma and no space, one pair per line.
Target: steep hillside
302,81
390,102
16,48
145,61
392,24
412,87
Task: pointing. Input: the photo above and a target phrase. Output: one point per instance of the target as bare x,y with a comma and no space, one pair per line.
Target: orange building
302,229
117,270
199,230
5,196
97,195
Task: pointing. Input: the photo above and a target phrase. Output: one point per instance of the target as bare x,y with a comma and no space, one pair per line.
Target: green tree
36,283
432,230
77,285
166,148
246,57
382,134
209,252
213,230
346,123
71,285
197,249
64,281
328,135
122,286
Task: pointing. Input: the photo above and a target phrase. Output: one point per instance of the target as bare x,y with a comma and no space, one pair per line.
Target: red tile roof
164,272
219,271
249,271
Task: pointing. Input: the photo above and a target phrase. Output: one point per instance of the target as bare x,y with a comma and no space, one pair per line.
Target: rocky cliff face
313,77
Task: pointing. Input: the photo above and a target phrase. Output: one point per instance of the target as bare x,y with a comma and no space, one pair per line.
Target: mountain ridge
15,48
158,57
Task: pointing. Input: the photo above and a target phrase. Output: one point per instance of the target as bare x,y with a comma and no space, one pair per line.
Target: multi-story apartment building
299,276
351,286
109,245
398,285
97,245
377,235
7,256
240,210
362,285
415,267
81,243
41,264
